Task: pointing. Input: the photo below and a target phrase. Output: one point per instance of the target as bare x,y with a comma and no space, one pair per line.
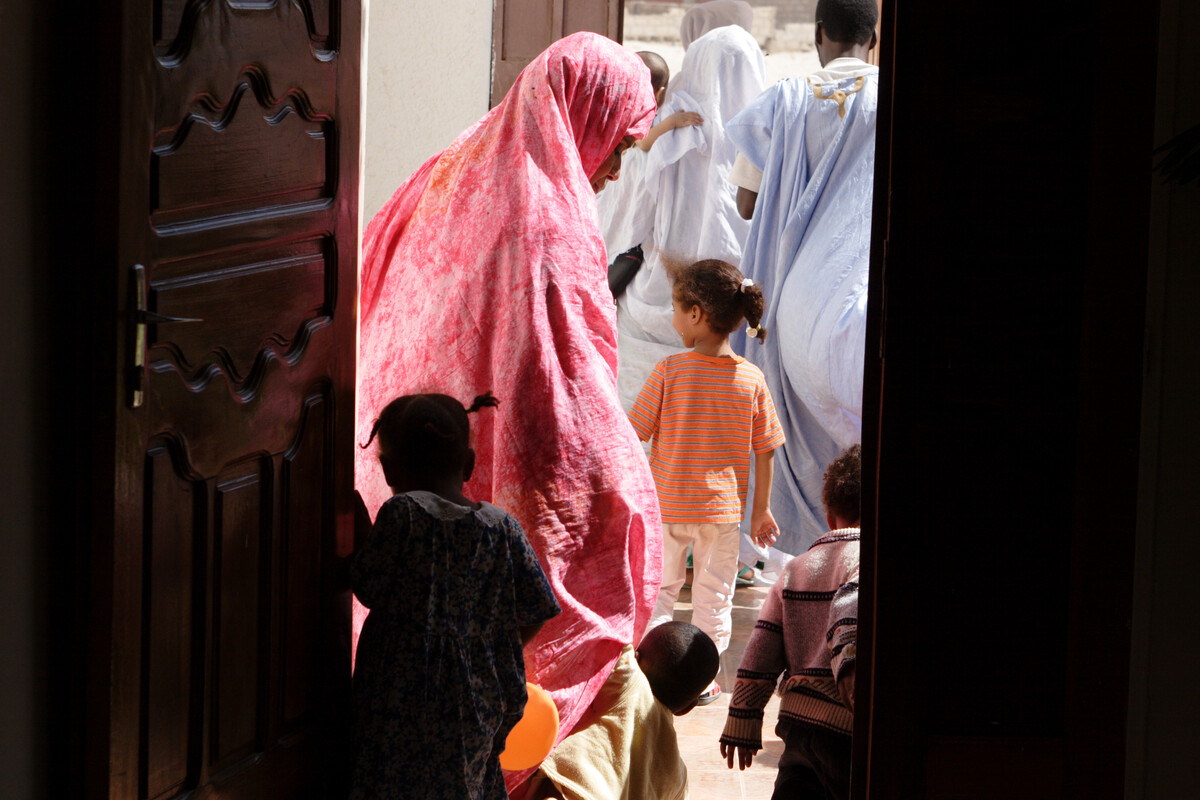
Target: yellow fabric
624,748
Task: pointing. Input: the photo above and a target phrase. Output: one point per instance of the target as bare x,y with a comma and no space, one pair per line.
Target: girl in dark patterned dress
455,591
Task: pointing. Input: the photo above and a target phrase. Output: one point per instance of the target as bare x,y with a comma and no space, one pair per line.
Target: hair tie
747,283
753,330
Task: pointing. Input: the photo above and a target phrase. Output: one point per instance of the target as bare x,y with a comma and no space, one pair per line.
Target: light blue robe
809,249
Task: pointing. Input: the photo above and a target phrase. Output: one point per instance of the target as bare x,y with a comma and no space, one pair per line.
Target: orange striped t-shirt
704,415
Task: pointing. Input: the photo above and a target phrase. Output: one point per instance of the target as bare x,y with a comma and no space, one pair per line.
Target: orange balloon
530,741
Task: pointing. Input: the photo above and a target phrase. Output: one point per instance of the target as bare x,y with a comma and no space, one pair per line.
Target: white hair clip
752,331
747,283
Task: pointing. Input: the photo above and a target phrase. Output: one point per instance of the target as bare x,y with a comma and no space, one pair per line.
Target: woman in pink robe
486,270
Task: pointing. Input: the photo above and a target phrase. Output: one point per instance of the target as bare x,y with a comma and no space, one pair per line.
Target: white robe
692,205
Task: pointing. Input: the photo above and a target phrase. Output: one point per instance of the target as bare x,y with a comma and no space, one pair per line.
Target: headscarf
486,271
712,14
693,204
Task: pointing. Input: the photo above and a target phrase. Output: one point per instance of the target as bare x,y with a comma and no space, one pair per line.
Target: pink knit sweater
789,638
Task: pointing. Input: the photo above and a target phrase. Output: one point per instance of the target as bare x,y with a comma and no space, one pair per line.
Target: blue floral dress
440,675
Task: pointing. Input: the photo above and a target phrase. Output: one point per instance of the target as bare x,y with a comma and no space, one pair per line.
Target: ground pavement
699,731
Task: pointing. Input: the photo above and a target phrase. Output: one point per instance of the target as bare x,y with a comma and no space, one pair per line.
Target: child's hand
682,119
362,521
745,755
763,529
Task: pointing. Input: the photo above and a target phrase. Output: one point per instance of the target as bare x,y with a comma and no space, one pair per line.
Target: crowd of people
543,541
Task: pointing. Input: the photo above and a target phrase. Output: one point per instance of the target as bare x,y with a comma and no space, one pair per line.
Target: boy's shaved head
660,73
679,661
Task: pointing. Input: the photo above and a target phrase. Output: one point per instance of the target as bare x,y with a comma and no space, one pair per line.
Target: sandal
710,694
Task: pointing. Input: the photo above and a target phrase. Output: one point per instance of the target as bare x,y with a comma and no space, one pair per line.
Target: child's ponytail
725,295
753,306
428,432
484,400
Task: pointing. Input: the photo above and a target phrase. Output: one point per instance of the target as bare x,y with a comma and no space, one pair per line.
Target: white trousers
714,570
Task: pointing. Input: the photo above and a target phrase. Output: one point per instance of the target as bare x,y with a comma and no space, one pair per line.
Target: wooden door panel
521,29
178,23
170,694
238,199
246,319
200,168
300,553
268,603
261,571
528,28
590,16
239,534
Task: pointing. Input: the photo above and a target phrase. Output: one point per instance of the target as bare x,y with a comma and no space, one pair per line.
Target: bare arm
746,201
679,119
763,529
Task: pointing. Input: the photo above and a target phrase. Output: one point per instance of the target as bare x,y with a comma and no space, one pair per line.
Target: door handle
138,320
154,318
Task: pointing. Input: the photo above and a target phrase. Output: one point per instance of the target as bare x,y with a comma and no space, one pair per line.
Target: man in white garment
804,172
627,211
693,206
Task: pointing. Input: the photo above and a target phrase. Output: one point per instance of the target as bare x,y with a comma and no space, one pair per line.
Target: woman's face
610,168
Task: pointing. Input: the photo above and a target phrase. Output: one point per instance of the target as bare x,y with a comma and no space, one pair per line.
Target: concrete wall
428,76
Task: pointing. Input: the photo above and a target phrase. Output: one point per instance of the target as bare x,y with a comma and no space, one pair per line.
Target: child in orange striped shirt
705,411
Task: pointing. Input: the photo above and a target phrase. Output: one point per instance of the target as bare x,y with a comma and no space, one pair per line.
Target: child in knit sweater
790,638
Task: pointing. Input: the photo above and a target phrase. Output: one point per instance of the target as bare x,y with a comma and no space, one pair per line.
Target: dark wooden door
218,655
1004,369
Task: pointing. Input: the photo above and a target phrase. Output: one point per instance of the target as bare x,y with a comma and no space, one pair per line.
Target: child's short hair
660,73
848,21
842,493
723,294
427,432
679,660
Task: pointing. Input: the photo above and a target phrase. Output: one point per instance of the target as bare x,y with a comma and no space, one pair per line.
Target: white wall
428,77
